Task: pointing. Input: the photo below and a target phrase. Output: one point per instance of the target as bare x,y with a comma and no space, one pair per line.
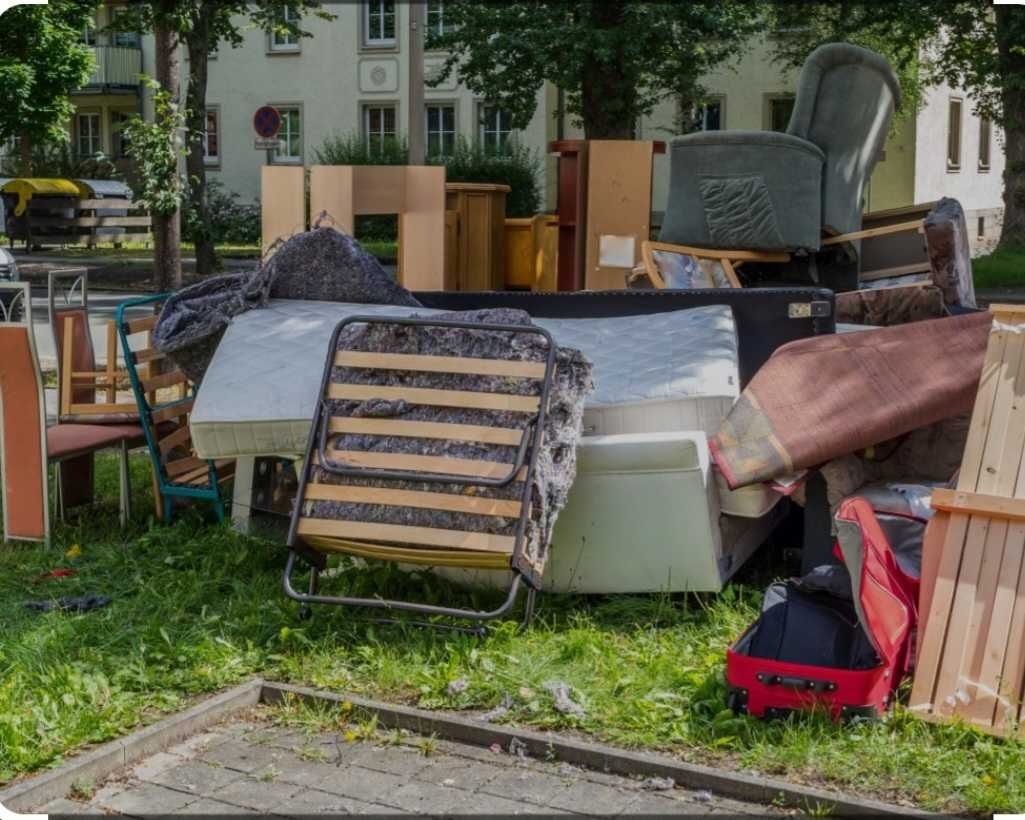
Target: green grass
139,250
197,608
1004,268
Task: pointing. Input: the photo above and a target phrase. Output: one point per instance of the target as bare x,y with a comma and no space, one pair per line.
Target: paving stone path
255,767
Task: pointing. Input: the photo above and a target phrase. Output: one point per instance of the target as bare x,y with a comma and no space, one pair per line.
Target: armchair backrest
846,96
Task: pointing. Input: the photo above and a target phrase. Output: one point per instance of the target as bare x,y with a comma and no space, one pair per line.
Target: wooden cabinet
479,262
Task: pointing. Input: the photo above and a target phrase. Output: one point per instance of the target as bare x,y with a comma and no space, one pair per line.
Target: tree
615,59
203,25
969,44
42,60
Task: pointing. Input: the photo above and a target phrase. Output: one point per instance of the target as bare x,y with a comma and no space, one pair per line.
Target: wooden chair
27,446
464,486
165,420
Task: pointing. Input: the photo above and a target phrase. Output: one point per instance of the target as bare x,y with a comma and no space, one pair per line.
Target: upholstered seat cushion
64,440
752,190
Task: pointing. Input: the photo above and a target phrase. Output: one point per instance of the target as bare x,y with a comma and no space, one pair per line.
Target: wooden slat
995,506
66,366
433,557
426,464
93,222
883,230
112,372
182,466
475,505
442,398
139,325
147,355
169,379
173,411
92,204
426,429
428,536
178,438
100,409
440,364
199,476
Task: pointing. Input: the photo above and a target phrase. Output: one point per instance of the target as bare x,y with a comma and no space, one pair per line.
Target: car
9,273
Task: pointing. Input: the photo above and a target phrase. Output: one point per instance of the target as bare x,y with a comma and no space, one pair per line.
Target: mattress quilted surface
663,371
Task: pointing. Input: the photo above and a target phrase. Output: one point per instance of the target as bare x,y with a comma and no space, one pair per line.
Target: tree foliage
155,148
615,59
42,60
968,44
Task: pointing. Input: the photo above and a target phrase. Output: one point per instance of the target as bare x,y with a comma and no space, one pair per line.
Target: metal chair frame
316,448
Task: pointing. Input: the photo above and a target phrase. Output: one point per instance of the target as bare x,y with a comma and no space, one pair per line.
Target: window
290,135
212,137
378,126
379,22
435,18
709,116
495,128
985,130
286,40
441,130
780,109
87,127
118,137
954,136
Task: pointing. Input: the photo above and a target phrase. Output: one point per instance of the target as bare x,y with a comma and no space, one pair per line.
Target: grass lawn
197,607
1004,268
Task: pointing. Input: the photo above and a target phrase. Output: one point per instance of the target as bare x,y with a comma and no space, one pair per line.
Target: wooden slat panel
441,364
173,411
426,429
995,506
184,465
101,409
139,325
901,227
178,438
441,398
504,508
426,464
428,536
169,379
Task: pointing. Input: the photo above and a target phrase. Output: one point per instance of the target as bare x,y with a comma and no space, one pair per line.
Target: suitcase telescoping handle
794,682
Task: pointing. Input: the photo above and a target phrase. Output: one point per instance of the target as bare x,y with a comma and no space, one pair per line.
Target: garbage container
95,190
40,209
480,248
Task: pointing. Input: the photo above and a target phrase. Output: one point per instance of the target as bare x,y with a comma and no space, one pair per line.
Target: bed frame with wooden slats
971,658
179,472
312,538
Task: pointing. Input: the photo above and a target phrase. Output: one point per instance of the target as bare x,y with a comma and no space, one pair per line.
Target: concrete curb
599,757
105,760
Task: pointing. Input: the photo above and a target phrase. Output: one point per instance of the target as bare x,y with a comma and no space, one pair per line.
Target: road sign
266,121
265,144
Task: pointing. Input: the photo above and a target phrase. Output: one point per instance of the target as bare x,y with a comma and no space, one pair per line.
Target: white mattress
656,373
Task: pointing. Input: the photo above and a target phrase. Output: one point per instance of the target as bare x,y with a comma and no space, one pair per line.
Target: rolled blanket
556,463
321,264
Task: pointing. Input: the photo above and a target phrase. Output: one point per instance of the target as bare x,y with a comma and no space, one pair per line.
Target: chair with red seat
27,447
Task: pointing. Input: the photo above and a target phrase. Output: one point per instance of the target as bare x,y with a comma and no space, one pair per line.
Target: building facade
352,77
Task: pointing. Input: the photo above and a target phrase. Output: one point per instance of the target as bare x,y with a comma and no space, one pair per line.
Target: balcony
117,71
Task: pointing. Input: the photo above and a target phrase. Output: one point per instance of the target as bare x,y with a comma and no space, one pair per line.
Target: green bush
58,161
230,221
516,166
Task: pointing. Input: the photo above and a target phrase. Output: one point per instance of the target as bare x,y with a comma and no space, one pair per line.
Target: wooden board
618,205
282,202
331,192
442,398
441,364
400,533
422,229
971,662
413,498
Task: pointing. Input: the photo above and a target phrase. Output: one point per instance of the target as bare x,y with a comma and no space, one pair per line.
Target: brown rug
827,396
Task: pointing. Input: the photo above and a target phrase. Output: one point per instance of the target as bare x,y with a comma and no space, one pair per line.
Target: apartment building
352,76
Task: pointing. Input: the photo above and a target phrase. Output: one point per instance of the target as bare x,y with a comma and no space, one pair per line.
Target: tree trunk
25,152
1010,27
198,42
607,95
167,261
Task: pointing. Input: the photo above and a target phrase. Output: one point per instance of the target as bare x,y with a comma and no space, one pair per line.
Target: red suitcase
811,649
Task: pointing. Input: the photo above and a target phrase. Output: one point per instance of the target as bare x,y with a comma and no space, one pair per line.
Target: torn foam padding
322,264
556,462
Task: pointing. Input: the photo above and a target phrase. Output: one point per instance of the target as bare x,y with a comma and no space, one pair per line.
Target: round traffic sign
267,121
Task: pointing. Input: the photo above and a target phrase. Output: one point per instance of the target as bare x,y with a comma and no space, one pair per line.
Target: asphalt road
101,310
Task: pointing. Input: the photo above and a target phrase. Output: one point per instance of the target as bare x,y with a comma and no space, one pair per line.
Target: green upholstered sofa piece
769,191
